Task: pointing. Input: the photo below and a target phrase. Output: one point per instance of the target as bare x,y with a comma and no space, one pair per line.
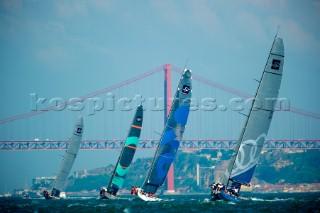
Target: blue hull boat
227,197
246,154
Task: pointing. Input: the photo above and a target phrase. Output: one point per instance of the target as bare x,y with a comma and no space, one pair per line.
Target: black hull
47,195
104,198
215,197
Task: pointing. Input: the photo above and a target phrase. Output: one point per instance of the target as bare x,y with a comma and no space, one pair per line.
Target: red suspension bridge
6,144
48,128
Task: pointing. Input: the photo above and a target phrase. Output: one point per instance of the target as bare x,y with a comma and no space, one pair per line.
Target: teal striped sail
127,153
171,136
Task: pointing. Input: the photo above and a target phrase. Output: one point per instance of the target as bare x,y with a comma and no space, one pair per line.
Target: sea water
279,202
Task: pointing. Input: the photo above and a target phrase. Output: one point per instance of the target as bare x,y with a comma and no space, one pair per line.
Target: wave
81,198
271,200
206,200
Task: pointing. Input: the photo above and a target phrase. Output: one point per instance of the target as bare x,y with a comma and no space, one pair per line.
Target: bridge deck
151,144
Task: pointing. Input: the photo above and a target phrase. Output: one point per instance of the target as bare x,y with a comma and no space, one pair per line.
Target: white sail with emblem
245,157
69,158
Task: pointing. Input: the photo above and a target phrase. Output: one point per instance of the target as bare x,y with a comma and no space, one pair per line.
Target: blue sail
171,136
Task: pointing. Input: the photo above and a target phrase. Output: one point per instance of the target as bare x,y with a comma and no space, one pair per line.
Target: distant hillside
274,167
279,167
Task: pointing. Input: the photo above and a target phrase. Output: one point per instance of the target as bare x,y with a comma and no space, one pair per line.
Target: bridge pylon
167,107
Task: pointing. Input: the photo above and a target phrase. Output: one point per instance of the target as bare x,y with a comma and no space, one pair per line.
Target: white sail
250,144
69,158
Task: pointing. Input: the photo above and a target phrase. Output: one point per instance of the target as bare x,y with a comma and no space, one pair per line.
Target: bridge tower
167,107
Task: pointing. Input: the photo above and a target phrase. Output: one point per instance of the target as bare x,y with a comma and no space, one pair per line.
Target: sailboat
67,163
125,158
248,149
170,139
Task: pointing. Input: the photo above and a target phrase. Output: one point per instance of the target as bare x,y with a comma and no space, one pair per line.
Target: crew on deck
217,187
134,190
102,191
234,191
47,195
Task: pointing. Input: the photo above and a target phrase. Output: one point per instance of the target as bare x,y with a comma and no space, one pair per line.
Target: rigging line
157,133
185,65
277,31
243,114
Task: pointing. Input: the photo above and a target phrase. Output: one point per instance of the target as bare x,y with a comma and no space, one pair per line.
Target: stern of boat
144,196
62,195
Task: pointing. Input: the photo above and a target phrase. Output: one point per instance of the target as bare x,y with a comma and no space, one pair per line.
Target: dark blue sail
171,136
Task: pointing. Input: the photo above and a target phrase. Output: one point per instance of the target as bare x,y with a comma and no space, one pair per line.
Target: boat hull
227,197
215,197
47,196
107,197
145,197
62,195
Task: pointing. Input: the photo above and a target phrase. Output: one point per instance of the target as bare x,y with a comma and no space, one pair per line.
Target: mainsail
171,136
245,156
69,158
127,153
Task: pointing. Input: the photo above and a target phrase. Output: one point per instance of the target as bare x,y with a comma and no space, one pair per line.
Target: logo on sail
275,64
185,89
248,154
79,130
138,119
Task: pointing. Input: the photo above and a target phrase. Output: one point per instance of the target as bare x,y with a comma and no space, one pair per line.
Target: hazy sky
72,48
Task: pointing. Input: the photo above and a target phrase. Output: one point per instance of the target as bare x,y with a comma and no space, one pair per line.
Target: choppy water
300,202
